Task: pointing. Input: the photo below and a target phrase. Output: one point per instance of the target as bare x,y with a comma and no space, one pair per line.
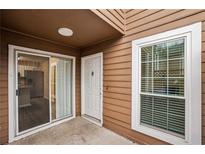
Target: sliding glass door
44,90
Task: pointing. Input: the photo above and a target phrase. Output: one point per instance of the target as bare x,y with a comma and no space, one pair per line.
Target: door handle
17,92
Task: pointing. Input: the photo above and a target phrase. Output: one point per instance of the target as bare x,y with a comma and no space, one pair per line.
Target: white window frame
192,77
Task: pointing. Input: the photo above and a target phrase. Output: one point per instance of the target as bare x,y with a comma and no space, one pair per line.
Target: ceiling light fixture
65,31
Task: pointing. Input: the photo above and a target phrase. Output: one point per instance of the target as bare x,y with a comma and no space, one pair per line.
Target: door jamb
100,54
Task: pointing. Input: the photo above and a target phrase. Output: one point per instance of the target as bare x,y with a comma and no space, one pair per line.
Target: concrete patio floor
77,131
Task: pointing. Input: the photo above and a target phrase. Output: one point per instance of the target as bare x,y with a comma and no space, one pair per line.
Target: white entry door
92,86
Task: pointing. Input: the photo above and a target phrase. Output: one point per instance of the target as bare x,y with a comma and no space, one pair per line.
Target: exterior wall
115,17
20,40
117,65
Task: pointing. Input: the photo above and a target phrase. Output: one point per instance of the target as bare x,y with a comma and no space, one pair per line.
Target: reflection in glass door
32,91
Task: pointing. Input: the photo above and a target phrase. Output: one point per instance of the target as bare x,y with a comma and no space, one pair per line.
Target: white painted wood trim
82,85
12,92
192,84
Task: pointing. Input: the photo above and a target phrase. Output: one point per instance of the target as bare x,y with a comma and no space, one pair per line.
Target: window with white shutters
166,85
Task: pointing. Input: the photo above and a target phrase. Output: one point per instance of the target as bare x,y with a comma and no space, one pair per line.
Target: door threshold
92,119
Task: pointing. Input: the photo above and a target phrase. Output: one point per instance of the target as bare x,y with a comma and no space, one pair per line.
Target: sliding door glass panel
62,72
33,91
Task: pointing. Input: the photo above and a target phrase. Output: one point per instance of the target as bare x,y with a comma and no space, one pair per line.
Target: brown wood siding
20,40
114,17
117,65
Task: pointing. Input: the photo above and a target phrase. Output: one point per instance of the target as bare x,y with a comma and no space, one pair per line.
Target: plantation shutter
162,86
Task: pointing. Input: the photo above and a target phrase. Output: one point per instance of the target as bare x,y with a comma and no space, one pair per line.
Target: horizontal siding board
161,28
203,57
117,96
139,16
3,98
117,53
4,113
117,108
118,102
117,84
4,92
155,16
123,124
118,90
117,66
126,71
117,115
3,106
117,78
164,20
126,58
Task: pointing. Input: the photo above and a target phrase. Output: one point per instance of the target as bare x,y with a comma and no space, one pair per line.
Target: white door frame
83,83
12,112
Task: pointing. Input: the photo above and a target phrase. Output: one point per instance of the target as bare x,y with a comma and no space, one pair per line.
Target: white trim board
82,86
192,33
12,91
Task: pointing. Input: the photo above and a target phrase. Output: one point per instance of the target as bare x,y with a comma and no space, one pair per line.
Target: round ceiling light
65,31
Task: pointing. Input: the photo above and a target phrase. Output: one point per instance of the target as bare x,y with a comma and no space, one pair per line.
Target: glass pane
160,52
160,104
160,119
33,91
176,124
160,68
62,106
146,109
160,85
176,106
146,85
176,68
160,112
146,54
147,69
176,86
176,48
